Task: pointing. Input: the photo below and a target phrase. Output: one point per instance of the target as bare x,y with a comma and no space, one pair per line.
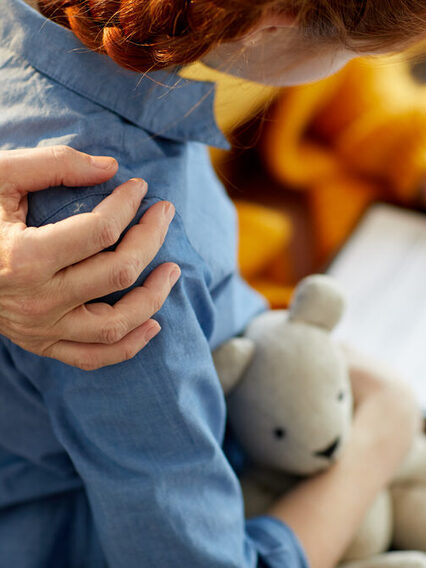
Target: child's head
279,41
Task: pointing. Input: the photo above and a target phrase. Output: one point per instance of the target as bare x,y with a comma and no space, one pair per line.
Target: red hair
145,35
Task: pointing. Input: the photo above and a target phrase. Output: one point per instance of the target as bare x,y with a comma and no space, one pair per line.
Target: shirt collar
161,102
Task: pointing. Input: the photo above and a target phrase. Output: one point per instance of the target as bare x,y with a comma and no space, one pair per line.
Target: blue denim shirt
124,467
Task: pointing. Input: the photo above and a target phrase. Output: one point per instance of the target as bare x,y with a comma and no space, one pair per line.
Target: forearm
326,511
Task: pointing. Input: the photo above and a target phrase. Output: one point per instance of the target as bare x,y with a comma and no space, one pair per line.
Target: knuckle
125,274
25,276
161,237
17,262
29,333
31,307
14,264
113,332
21,313
108,233
156,303
62,153
22,334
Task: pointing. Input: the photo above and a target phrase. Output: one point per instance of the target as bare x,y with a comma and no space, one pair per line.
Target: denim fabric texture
124,466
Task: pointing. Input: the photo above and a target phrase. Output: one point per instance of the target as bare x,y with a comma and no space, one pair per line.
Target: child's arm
326,511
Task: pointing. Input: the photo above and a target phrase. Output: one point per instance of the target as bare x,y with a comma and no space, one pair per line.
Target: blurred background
306,162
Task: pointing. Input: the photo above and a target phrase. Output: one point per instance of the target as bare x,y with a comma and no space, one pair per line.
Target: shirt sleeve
145,437
276,544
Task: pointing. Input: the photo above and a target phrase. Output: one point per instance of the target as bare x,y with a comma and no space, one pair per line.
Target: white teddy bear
290,407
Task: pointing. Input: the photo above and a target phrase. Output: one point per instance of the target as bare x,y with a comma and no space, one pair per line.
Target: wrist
384,427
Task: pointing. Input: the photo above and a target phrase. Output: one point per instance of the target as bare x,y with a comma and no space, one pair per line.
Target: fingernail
152,331
174,276
140,184
169,212
103,162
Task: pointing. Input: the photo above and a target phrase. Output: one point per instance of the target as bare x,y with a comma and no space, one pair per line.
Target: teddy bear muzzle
329,451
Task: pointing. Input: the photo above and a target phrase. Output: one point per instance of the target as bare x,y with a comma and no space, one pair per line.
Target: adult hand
48,274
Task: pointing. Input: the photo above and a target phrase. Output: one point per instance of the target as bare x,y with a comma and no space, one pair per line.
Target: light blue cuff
276,543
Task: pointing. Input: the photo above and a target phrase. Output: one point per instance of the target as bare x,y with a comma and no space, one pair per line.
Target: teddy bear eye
341,396
279,433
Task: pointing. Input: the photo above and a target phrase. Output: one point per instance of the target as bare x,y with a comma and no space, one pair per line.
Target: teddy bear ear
231,360
319,301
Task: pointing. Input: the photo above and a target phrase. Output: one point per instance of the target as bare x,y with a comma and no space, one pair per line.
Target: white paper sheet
383,272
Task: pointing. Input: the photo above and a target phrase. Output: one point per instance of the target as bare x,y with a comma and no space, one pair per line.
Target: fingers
111,271
102,323
35,169
93,356
81,236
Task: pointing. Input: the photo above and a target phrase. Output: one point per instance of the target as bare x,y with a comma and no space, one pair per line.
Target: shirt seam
45,220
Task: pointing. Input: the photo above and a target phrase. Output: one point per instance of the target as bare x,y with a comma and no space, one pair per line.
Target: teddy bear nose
330,450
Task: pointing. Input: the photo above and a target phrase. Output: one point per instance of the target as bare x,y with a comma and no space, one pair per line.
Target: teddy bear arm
390,560
413,468
231,360
409,505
